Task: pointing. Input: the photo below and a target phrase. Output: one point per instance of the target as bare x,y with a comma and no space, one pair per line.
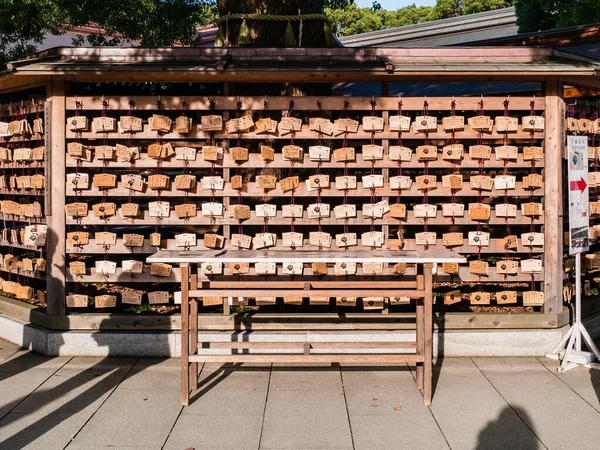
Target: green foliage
538,15
154,23
353,20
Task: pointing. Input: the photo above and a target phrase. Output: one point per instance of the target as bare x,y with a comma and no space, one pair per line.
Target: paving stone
306,419
215,432
132,417
7,349
28,368
154,372
313,377
11,396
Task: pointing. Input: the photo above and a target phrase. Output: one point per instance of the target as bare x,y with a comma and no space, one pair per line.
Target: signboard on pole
579,220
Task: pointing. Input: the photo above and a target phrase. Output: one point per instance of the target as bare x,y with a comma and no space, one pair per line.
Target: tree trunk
271,34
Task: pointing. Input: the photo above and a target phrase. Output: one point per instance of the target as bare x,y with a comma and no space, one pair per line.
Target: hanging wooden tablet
293,268
425,123
239,154
106,267
506,152
288,124
239,268
505,210
265,125
319,239
292,240
321,125
372,152
427,153
426,182
479,238
506,123
132,266
530,266
292,211
6,154
160,269
22,154
212,209
104,209
264,240
265,268
133,240
479,267
345,126
78,238
211,268
345,211
244,123
212,301
504,182
211,123
534,181
292,153
27,264
186,182
533,298
105,238
159,209
316,182
372,123
104,152
373,239
211,240
266,210
398,211
531,209
533,123
594,211
532,239
506,297
133,182
318,210
453,123
479,211
77,123
454,181
480,298
77,301
75,149
344,240
290,183
183,124
104,124
23,182
344,154
160,123
236,182
130,124
400,153
481,123
372,268
319,153
188,210
346,182
480,152
510,242
77,268
482,182
104,181
399,123
35,235
452,239
452,297
400,182
450,268
422,211
37,153
266,181
370,303
593,179
241,212
131,298
155,239
158,181
345,301
211,153
241,241
533,153
452,152
213,183
123,153
372,181
185,154
507,267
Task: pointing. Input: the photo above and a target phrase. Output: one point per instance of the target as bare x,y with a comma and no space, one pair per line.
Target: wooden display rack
195,285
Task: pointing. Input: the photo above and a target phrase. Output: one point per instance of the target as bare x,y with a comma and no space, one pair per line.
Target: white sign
579,220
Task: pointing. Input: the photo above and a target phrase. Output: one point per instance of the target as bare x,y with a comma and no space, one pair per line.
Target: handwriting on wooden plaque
132,182
213,183
130,124
372,123
481,123
316,182
400,182
450,268
506,297
533,298
480,152
503,182
77,123
160,123
345,182
292,211
532,239
104,152
372,181
78,238
77,301
507,267
241,241
506,152
266,181
293,268
478,267
318,210
185,153
241,212
159,209
265,268
77,268
183,124
482,182
78,180
479,211
237,182
319,153
345,126
533,153
185,182
534,181
187,210
211,153
321,125
346,211
211,240
372,152
160,269
427,153
266,210
106,267
290,183
320,239
288,124
531,209
425,211
104,124
155,239
292,240
104,181
532,123
211,123
373,239
453,181
399,123
480,298
452,152
132,266
133,240
400,153
158,181
292,153
264,240
506,210
425,123
506,124
104,209
452,239
265,125
530,266
453,123
131,298
239,268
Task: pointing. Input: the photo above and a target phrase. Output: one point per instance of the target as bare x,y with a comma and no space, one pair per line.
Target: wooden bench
195,285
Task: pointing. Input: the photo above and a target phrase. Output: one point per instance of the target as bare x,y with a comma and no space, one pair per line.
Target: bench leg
419,331
194,342
185,335
428,334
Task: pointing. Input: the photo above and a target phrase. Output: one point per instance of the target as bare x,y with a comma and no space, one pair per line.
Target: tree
154,23
537,15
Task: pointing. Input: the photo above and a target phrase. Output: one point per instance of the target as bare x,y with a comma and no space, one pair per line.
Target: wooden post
553,208
194,330
428,333
185,334
55,212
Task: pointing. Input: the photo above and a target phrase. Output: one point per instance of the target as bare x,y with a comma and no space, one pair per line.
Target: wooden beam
553,229
55,187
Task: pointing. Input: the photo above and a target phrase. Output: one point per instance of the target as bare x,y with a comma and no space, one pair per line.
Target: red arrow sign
579,185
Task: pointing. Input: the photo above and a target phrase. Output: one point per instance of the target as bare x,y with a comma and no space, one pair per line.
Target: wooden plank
185,335
56,237
319,358
347,283
340,292
275,103
553,229
300,345
21,273
427,335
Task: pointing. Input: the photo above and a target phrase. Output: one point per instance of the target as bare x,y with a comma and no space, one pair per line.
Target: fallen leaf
398,408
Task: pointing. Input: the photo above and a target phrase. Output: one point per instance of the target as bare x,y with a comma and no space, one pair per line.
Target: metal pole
578,301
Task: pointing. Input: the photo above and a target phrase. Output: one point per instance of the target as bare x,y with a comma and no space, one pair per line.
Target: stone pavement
131,403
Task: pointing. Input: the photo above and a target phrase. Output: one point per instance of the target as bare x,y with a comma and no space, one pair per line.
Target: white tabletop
307,256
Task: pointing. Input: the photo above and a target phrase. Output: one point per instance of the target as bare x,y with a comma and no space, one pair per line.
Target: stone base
167,344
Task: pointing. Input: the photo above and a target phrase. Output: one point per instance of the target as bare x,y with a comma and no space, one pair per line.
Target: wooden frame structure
58,69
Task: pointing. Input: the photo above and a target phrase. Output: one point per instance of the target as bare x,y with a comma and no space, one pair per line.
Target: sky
394,4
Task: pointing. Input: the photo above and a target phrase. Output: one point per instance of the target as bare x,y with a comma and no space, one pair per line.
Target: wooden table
196,285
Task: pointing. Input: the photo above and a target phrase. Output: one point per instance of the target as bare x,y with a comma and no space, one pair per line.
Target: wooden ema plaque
450,268
155,239
480,152
79,181
400,153
398,211
211,123
425,238
106,268
77,301
453,123
105,301
452,239
186,210
507,267
158,297
481,123
131,124
345,301
291,153
104,210
78,238
422,211
293,268
239,268
132,266
533,153
505,210
480,298
104,124
160,269
185,182
372,123
37,153
425,123
241,241
452,297
289,124
345,240
372,152
506,297
319,153
104,181
426,182
400,182
427,153
104,152
131,298
532,239
400,123
479,268
533,298
531,209
344,154
505,182
292,240
453,152
105,238
531,266
237,182
77,268
133,240
266,181
290,183
510,242
532,123
295,211
160,123
479,238
265,125
370,303
77,123
454,181
183,124
241,212
267,153
211,153
507,124
534,181
345,126
158,181
239,154
479,211
506,152
321,125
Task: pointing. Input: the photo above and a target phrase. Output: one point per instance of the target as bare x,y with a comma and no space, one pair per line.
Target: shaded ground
119,403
